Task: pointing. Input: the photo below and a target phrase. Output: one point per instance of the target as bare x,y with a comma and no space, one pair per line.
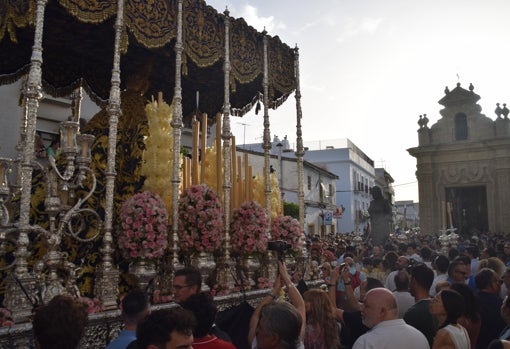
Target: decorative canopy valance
78,46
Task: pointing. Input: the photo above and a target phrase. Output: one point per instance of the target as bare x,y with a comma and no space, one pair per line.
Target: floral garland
93,304
6,318
161,296
144,227
248,229
328,256
287,229
224,289
263,282
200,219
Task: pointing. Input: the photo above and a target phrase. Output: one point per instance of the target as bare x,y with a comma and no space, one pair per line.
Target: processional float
191,48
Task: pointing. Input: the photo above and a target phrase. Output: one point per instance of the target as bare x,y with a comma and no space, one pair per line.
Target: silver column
107,274
15,298
177,129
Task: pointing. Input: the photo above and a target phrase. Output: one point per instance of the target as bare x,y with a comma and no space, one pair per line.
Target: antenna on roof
244,132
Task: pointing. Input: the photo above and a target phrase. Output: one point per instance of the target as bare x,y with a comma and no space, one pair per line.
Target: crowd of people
416,294
455,296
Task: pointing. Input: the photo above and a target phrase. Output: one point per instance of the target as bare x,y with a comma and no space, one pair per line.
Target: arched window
461,128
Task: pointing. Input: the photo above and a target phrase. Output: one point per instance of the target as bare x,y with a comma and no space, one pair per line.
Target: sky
369,68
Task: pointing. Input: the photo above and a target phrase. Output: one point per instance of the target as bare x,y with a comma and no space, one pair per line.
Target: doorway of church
468,209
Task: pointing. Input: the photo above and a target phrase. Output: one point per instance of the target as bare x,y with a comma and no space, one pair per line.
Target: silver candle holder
53,274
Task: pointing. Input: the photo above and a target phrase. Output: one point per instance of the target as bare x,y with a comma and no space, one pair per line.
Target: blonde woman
321,331
325,269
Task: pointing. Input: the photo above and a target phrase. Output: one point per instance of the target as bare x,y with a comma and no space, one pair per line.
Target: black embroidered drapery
78,48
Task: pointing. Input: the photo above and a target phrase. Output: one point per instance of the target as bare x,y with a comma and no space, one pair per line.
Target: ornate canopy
78,44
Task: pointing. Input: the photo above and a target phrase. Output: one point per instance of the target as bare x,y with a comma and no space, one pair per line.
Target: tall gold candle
70,137
218,153
3,182
160,98
233,173
184,173
249,190
240,194
84,148
194,154
188,160
203,145
246,179
443,215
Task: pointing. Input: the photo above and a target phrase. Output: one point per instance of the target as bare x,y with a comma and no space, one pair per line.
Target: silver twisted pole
224,276
267,133
15,298
299,140
299,159
270,260
107,274
176,124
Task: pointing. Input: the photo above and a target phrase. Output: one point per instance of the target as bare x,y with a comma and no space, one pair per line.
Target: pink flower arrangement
248,228
288,229
263,282
200,219
223,290
161,296
93,304
328,256
6,318
144,227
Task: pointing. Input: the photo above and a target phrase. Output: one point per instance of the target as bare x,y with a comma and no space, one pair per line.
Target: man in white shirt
402,263
402,295
380,314
441,264
412,252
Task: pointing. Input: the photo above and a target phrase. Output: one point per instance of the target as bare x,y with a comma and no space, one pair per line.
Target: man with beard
380,313
419,315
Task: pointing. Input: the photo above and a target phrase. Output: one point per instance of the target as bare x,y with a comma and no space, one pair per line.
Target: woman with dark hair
60,323
447,306
470,320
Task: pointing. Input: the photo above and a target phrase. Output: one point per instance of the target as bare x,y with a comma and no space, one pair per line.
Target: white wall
50,113
343,162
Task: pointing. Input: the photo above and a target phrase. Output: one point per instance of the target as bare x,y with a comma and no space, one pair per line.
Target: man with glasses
187,281
457,272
